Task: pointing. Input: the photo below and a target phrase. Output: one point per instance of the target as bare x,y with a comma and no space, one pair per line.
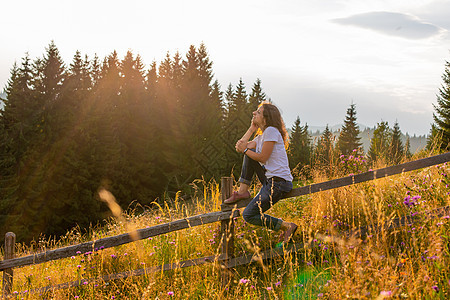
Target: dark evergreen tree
204,111
397,151
217,98
230,107
256,97
151,82
299,147
18,127
441,116
238,115
236,123
349,139
241,102
136,135
35,198
325,149
380,142
408,153
95,72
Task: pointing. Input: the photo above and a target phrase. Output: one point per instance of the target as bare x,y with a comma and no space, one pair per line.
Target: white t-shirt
277,164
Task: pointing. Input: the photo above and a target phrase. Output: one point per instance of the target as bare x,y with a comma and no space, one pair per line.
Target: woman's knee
248,216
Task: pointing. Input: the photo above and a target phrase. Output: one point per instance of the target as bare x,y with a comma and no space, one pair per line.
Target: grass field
409,262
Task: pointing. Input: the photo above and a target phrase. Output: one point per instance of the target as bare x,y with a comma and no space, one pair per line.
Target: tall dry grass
408,262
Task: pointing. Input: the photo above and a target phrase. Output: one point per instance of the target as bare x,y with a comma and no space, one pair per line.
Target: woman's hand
241,145
253,126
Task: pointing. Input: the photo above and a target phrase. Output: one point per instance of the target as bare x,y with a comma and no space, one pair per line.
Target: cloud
437,12
395,24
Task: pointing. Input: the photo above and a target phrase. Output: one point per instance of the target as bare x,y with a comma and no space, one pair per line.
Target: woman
266,157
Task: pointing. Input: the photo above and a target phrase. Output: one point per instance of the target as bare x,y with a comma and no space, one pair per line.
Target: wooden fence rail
117,240
225,216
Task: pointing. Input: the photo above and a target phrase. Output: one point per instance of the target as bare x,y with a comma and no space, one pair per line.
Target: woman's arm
248,134
262,157
244,142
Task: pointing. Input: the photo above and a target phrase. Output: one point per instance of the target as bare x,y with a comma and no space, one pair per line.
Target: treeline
140,132
330,150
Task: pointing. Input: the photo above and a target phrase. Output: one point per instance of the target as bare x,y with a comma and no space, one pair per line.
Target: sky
314,58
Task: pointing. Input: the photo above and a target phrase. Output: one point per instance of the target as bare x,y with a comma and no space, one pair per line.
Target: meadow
408,262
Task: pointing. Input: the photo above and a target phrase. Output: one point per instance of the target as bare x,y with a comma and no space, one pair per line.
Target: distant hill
416,142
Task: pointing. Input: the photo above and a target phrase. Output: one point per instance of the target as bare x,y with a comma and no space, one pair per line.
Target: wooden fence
226,216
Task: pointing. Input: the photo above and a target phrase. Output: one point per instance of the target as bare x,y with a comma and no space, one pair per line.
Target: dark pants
272,191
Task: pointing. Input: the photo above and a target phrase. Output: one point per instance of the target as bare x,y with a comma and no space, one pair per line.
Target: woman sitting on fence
266,157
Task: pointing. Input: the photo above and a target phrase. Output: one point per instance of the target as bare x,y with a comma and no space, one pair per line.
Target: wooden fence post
10,240
227,233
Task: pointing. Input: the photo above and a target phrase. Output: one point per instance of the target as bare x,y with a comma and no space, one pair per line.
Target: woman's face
258,117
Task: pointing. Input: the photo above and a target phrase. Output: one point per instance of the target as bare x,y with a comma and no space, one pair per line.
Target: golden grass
408,262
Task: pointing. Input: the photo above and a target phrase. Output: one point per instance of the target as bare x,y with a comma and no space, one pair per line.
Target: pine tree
299,146
217,98
408,153
325,149
35,200
349,139
256,97
236,123
18,127
441,117
380,142
241,102
151,82
242,117
397,151
230,106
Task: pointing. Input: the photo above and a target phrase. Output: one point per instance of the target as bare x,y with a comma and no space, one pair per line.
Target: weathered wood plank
226,233
118,239
8,274
358,178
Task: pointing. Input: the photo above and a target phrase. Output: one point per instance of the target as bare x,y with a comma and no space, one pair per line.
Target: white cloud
391,23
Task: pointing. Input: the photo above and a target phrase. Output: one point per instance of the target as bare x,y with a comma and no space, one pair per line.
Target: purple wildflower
170,293
435,288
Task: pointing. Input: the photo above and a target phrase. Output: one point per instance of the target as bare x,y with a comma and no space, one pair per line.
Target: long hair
272,116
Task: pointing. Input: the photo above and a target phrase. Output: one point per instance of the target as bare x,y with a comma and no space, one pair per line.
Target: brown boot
289,233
